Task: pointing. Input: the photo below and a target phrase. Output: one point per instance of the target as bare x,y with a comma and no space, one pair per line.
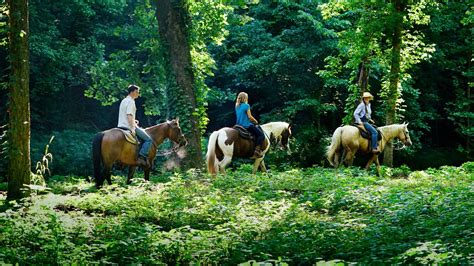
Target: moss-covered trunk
171,15
393,93
19,164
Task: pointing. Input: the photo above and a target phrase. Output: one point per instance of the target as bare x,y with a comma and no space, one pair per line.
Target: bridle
175,148
401,145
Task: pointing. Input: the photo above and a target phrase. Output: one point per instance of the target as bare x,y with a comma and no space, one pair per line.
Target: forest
305,65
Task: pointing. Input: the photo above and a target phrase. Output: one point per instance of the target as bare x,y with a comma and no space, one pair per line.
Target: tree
376,34
273,52
394,76
19,164
172,17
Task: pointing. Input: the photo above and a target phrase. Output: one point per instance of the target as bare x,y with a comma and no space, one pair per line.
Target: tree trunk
171,15
363,76
468,110
19,164
393,94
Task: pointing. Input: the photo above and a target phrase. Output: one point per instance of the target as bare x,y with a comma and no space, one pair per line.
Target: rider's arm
252,119
131,122
357,113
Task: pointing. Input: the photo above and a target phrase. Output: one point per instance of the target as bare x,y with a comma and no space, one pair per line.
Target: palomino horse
226,143
111,146
349,140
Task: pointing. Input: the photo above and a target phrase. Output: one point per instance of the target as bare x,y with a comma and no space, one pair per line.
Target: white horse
226,143
348,140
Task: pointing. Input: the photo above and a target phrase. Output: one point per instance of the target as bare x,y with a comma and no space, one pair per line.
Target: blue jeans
141,133
257,133
373,133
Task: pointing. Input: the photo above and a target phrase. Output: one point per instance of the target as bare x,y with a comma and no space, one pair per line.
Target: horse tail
97,156
211,153
335,144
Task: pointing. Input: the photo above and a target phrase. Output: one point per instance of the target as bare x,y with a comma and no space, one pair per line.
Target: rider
246,120
127,120
362,117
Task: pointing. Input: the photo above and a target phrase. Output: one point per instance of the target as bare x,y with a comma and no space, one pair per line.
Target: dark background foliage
273,50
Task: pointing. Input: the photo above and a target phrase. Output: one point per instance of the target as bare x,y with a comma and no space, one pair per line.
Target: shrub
71,151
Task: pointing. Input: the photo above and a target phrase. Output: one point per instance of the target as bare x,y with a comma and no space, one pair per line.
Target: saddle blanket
243,132
366,135
129,136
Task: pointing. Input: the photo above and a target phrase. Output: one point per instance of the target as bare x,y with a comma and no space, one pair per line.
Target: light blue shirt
362,112
242,117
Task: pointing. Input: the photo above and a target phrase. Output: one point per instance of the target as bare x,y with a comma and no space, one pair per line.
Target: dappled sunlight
300,215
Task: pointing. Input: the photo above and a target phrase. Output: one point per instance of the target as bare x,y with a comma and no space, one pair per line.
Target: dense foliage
299,216
301,62
301,66
298,60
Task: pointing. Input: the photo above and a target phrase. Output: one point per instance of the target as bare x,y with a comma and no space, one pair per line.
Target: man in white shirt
127,121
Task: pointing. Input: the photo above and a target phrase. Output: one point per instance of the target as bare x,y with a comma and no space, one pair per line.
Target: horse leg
337,159
348,158
131,172
106,175
378,165
371,160
222,164
344,157
146,173
256,164
263,168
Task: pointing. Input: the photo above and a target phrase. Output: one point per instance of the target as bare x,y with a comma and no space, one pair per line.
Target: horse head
404,135
279,134
285,138
175,134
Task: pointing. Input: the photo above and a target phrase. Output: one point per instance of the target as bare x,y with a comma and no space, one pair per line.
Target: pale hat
367,95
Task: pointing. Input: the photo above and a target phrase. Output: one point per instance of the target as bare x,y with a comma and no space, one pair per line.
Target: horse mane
157,125
389,129
275,127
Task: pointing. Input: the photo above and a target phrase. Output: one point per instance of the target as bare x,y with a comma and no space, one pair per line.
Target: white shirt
127,107
361,111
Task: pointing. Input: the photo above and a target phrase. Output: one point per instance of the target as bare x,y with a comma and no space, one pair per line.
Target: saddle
243,132
366,134
129,137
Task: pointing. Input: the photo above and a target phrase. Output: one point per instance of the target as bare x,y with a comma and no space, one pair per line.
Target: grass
299,216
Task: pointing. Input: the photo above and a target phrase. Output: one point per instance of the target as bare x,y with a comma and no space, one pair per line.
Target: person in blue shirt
246,120
362,117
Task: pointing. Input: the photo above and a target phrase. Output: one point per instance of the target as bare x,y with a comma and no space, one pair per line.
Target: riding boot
376,150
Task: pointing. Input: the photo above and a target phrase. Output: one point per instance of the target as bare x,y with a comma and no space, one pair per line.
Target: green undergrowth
298,216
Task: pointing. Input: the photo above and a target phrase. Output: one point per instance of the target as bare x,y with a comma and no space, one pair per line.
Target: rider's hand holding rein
132,122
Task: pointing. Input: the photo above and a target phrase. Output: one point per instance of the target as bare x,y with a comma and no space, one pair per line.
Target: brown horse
226,143
348,140
111,146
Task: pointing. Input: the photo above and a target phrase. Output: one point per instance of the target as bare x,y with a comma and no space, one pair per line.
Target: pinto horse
348,140
226,143
111,146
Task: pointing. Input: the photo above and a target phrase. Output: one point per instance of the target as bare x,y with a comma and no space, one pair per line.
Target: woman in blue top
362,117
246,120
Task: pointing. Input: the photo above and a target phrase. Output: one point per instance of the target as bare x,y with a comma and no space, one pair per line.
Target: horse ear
177,120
